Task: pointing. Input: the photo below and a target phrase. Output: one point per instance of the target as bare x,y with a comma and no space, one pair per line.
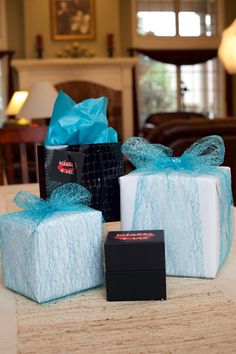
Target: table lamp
15,105
227,48
40,101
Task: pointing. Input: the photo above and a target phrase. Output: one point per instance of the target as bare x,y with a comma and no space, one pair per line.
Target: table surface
225,280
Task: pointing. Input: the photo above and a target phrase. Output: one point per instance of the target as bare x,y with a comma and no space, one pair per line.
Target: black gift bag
95,166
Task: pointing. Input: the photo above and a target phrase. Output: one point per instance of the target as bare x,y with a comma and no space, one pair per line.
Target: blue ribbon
203,157
205,154
68,197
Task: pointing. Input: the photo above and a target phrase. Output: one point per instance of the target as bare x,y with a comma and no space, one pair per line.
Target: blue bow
206,153
68,197
203,157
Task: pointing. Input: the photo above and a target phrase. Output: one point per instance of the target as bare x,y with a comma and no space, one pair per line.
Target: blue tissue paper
54,248
82,123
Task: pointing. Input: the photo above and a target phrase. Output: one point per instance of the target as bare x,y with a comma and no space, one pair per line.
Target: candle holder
110,44
39,53
110,52
39,46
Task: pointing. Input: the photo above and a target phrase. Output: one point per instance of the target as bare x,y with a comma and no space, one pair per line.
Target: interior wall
15,27
230,15
37,20
3,26
27,18
125,26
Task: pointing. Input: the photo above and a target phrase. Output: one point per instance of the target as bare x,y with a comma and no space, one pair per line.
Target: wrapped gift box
197,254
81,148
59,256
95,166
135,265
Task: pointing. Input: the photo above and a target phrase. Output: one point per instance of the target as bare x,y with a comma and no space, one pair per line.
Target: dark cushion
155,119
179,134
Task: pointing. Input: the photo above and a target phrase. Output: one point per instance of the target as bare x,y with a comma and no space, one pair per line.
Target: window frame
177,42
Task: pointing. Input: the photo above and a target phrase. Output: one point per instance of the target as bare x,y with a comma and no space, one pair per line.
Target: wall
15,27
230,15
37,21
3,25
27,18
125,26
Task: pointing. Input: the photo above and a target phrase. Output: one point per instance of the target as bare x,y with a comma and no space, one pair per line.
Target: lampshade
16,103
40,101
227,48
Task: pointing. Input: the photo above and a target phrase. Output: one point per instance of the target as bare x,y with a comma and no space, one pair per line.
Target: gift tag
67,166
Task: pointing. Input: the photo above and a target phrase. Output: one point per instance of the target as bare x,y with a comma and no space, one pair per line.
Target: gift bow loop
68,197
207,152
162,200
71,193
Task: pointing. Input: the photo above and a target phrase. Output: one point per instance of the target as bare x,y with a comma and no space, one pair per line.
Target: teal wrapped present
52,248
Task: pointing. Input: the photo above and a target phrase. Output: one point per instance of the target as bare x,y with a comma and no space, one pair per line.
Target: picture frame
72,19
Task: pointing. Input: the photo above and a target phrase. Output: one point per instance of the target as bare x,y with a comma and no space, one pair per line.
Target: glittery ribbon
68,197
152,210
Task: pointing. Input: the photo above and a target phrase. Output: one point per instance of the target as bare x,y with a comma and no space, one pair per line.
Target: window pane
2,115
200,88
156,23
157,87
189,24
156,18
197,17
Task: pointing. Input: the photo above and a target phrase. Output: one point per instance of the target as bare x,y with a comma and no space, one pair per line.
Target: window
3,46
166,87
200,88
190,25
1,97
197,18
186,18
157,87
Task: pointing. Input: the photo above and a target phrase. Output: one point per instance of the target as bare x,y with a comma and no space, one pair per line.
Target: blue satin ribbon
203,157
68,197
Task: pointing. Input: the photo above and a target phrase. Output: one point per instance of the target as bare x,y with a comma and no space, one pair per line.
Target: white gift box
59,256
182,254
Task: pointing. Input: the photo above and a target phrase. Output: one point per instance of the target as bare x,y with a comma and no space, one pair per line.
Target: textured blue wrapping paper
58,256
188,198
82,123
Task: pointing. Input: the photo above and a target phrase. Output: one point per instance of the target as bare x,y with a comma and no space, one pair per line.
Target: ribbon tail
26,200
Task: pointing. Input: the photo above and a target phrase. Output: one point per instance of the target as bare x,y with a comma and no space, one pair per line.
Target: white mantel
114,72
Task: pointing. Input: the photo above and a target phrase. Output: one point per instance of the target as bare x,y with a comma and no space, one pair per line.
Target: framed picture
73,19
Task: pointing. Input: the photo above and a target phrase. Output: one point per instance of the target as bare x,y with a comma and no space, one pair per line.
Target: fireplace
114,73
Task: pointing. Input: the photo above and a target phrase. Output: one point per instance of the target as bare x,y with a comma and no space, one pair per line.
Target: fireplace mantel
114,72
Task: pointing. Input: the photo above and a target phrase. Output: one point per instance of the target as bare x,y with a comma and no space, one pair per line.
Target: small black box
135,265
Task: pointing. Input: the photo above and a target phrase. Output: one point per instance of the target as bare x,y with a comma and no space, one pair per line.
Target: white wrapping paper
208,189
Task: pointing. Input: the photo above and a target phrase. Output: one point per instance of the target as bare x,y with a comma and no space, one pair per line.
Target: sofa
178,134
155,119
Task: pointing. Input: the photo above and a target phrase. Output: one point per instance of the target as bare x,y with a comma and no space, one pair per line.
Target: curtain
178,57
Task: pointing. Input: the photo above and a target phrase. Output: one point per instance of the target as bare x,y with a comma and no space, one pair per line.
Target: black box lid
135,250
